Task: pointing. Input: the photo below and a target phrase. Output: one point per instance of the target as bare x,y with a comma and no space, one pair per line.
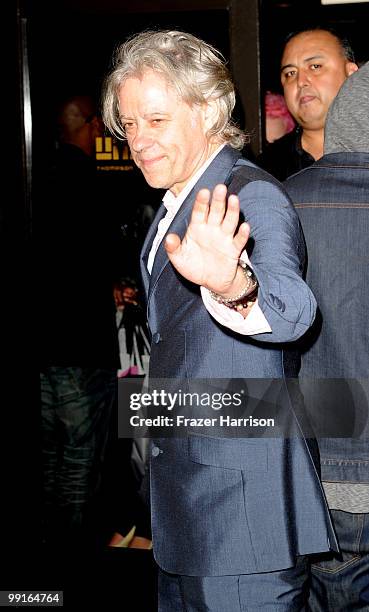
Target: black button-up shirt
285,156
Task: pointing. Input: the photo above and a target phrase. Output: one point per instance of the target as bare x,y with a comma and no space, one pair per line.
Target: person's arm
209,252
277,254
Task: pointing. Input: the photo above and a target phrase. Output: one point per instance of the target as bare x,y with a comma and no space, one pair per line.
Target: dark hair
343,41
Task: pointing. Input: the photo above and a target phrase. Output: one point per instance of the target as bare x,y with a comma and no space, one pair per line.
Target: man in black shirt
315,63
285,156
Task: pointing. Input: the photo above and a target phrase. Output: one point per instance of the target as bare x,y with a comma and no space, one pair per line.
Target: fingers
200,208
215,210
172,243
210,208
242,236
231,218
218,205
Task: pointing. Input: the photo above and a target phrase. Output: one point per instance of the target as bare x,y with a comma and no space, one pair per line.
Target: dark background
70,42
70,50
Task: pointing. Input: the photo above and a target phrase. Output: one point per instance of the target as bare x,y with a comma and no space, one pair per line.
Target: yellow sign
106,149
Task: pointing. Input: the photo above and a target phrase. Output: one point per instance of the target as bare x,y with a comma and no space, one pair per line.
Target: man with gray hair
233,518
332,199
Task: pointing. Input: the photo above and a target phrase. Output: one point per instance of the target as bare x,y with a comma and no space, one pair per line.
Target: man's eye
156,121
127,127
315,66
289,74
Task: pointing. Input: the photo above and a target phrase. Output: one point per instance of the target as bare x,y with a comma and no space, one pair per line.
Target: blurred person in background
278,119
78,347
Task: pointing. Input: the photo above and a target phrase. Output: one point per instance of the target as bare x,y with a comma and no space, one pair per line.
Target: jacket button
277,302
155,451
156,338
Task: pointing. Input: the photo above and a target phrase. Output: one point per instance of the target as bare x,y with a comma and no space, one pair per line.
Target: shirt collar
173,203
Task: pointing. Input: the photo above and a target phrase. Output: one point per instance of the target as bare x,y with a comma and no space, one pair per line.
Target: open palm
211,247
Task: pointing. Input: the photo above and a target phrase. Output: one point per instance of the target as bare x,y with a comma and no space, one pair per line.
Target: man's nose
142,139
303,78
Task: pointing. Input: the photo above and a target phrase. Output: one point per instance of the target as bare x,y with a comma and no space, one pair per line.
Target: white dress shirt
255,322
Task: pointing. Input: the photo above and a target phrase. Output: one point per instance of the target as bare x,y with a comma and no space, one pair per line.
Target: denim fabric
339,412
332,200
76,407
283,591
340,583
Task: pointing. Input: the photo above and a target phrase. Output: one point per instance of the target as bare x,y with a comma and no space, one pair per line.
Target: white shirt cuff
254,323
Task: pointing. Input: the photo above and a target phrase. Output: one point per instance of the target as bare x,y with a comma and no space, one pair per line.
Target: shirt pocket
249,456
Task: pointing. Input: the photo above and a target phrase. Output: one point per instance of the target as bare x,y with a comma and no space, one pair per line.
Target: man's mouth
306,99
148,163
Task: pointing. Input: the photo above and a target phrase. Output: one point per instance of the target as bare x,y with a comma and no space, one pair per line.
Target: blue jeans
340,583
283,591
76,409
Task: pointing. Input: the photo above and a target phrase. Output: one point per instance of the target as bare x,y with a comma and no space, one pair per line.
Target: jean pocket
334,564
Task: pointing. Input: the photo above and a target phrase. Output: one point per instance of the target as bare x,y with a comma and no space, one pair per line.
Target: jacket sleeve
277,253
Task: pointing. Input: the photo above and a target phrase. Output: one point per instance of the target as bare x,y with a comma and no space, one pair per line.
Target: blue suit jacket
229,506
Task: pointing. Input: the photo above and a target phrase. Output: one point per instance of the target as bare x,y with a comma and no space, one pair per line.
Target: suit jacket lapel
145,251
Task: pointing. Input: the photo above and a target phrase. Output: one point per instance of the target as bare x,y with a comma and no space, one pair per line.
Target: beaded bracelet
247,296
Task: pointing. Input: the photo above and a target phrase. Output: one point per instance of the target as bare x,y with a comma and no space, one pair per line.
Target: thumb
172,243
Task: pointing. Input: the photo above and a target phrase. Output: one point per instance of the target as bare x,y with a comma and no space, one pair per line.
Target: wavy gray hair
194,68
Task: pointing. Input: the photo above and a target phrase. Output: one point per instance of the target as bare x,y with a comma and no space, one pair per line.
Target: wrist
246,296
238,286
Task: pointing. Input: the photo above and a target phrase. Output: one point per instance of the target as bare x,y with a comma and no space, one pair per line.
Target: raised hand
211,247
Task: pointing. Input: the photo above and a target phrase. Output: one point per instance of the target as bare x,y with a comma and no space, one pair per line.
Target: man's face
313,69
167,137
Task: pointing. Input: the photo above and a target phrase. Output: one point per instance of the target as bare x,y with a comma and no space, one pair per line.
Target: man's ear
351,67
